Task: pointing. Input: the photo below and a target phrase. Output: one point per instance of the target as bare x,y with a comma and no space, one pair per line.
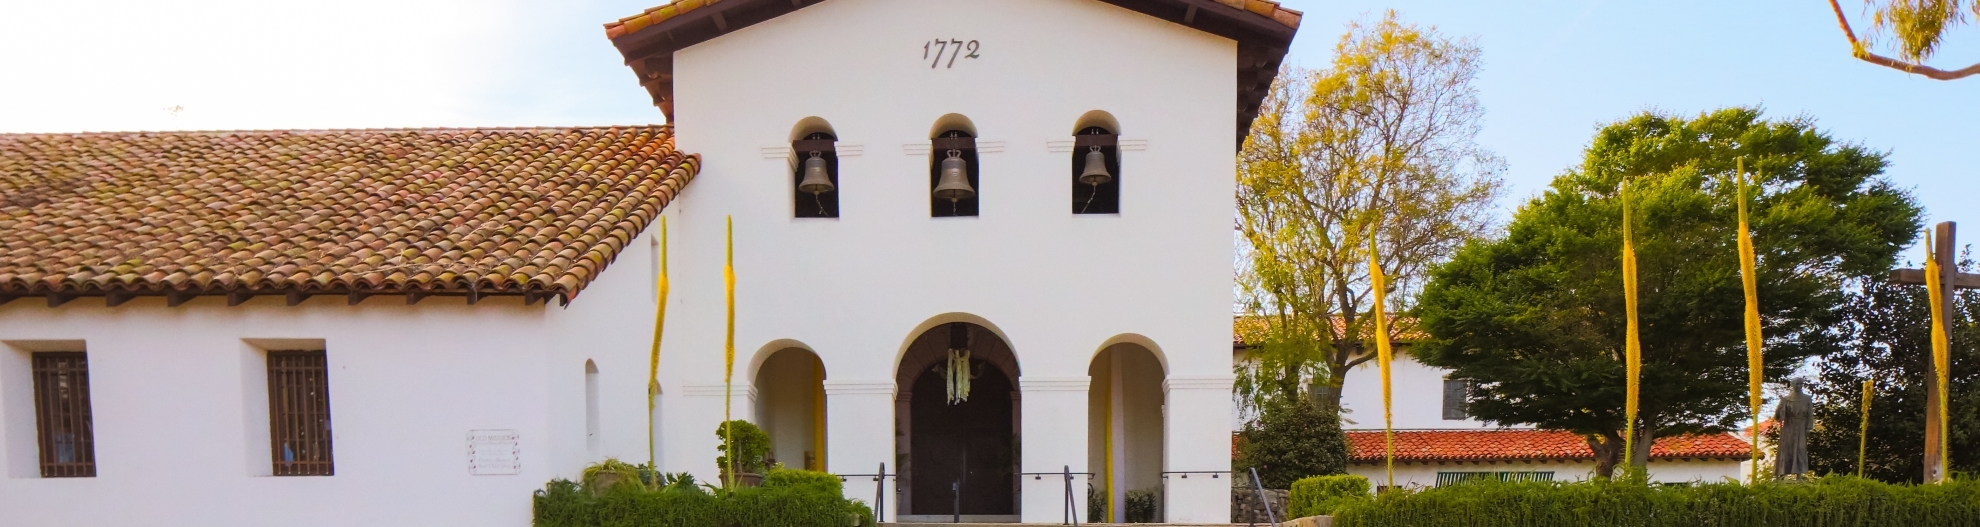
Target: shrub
1322,495
788,498
1293,438
751,446
1140,506
1832,501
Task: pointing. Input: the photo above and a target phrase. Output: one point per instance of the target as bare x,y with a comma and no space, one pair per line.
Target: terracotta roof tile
1525,445
657,14
535,212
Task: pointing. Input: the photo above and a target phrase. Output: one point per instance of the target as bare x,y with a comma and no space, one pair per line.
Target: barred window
299,413
61,414
1455,391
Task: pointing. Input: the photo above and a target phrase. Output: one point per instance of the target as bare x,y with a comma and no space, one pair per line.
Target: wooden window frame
1456,408
299,424
63,419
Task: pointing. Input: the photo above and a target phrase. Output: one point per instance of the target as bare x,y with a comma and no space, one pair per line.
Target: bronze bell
954,183
816,181
1096,168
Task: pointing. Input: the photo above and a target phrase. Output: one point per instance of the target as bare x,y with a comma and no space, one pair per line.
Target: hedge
1833,501
1322,495
788,498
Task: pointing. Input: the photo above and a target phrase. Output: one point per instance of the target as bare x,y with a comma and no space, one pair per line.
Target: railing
879,490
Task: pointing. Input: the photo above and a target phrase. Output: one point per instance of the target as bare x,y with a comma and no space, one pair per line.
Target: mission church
422,326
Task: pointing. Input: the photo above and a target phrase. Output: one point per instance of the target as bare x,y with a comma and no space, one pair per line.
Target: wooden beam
1189,15
4,299
413,297
473,296
238,297
57,299
356,297
176,298
297,297
117,298
530,298
721,23
1917,277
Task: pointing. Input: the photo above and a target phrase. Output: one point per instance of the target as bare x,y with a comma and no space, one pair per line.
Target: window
1096,189
61,414
1453,478
815,178
299,413
591,406
953,198
1455,391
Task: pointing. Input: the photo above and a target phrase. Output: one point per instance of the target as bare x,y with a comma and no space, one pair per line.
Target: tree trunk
1608,448
1641,457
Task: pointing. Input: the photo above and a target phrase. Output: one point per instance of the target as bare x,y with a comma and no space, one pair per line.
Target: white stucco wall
1057,286
1417,391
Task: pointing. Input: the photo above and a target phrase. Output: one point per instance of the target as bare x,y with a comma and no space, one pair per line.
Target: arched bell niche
958,450
953,191
814,184
1096,187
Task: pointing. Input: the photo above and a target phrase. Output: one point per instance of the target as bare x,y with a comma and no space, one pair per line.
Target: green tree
1536,318
1384,139
1290,440
1886,332
1918,28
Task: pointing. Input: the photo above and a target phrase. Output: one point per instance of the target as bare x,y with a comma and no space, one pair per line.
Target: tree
1536,318
1292,439
1919,25
1383,140
1885,340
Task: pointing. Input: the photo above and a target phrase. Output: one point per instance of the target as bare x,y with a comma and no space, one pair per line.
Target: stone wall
1245,507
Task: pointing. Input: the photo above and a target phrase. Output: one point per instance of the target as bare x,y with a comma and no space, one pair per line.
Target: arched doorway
1125,425
790,407
957,454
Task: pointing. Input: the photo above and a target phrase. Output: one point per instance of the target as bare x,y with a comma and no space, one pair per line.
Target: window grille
299,413
1455,391
1453,478
61,414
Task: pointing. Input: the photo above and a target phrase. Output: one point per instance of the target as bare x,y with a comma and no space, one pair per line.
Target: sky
1554,71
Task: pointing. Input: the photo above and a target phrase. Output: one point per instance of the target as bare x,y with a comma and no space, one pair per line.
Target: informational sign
494,453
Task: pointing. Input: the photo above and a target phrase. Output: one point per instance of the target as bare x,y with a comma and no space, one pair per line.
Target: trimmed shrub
1293,438
752,445
1834,501
1140,506
788,498
1321,495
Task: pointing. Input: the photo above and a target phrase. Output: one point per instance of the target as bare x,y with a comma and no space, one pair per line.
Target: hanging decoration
1632,349
1384,355
659,323
1754,373
1941,350
956,372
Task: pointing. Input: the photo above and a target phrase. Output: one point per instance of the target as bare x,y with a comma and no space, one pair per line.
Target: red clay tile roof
1253,326
536,212
660,13
1525,445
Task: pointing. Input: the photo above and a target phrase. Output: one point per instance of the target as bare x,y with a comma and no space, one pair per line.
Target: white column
1117,437
1201,404
859,436
1054,438
691,442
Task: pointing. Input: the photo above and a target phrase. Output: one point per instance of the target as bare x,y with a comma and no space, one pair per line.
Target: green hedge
788,498
1826,502
1322,495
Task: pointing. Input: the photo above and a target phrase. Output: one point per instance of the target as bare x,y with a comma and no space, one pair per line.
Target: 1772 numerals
954,48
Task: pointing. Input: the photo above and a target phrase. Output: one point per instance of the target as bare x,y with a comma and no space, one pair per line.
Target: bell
954,184
1096,168
816,181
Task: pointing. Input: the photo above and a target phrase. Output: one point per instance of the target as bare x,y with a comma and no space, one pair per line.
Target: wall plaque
494,453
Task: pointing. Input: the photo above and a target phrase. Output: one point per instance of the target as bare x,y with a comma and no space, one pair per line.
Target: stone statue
1796,417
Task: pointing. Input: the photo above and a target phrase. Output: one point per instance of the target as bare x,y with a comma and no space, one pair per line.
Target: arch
764,352
1126,422
1136,339
971,442
811,125
953,121
1098,118
945,318
790,404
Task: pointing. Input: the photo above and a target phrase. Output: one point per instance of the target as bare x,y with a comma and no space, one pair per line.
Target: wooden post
1950,279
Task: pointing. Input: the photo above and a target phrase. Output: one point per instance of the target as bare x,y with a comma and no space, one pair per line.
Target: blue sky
1553,72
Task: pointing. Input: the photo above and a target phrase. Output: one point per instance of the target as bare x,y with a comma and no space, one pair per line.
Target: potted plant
608,473
750,446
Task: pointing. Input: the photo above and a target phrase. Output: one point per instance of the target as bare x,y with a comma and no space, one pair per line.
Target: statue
1795,415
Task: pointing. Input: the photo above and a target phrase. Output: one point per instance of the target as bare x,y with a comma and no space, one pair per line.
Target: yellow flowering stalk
653,364
1863,436
1941,354
1383,356
729,348
1632,349
1754,373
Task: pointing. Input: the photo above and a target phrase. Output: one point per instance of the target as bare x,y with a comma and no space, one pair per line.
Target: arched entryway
1125,425
790,407
957,452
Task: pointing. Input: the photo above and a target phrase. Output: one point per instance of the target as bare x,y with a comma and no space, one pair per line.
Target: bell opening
1096,169
815,181
953,175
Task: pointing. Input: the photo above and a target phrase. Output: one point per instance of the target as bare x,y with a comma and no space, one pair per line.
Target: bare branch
1863,53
